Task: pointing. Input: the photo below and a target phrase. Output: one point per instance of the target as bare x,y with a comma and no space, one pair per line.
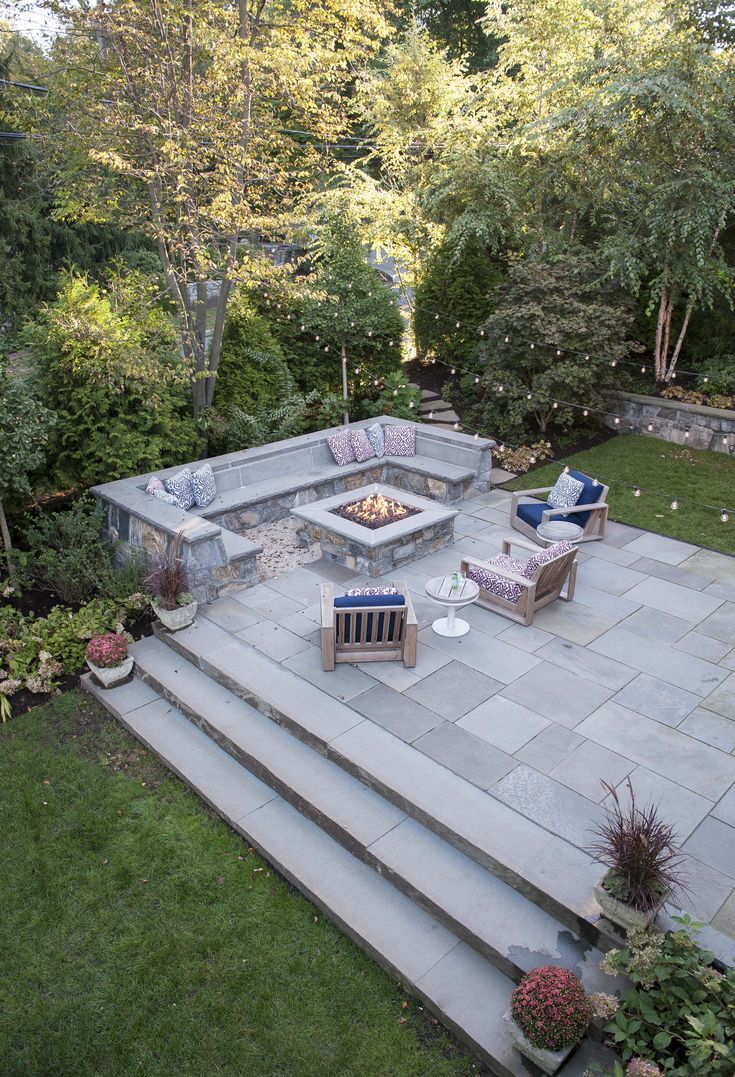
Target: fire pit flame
375,510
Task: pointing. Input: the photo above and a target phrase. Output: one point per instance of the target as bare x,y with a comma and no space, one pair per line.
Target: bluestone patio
472,781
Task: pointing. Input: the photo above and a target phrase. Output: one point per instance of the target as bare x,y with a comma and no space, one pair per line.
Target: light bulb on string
555,404
431,415
643,370
326,349
558,351
585,412
706,380
375,382
501,447
482,332
532,347
566,469
532,460
673,375
529,396
436,317
649,428
636,491
507,339
370,332
316,338
303,328
586,357
686,433
617,420
614,362
476,435
456,426
675,504
395,392
458,325
501,388
477,380
724,516
453,371
433,361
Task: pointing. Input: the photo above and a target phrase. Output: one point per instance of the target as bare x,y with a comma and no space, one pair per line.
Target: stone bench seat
242,496
262,484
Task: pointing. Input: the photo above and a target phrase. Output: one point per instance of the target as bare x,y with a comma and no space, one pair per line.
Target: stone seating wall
263,484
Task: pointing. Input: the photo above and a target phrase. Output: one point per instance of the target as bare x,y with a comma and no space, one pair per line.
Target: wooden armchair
371,629
590,512
533,593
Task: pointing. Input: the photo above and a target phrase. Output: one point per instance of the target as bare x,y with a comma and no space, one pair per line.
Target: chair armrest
532,493
410,612
523,543
598,506
327,605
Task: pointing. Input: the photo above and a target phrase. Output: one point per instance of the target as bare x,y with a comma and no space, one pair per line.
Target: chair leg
571,583
328,645
410,641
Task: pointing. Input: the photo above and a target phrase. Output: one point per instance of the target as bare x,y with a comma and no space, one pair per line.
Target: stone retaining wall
709,428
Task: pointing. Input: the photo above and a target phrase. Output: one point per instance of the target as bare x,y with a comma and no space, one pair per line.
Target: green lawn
656,465
139,935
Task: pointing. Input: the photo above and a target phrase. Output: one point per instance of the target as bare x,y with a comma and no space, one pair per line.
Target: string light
675,504
585,412
724,516
636,491
617,420
454,370
649,428
686,433
556,404
456,426
566,469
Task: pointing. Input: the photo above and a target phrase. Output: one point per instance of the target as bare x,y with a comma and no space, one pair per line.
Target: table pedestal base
451,625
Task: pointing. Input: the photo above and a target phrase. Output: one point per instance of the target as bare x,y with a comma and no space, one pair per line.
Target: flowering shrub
604,1007
108,650
680,1014
638,1067
521,459
551,1008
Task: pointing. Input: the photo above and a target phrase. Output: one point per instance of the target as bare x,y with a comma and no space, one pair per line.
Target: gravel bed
281,551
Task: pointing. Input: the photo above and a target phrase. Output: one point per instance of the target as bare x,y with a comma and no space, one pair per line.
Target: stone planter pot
109,676
622,914
548,1061
173,620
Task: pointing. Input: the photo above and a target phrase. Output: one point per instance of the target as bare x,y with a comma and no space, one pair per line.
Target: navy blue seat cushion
350,601
530,512
353,631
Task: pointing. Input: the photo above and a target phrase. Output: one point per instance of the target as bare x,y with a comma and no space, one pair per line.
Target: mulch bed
40,603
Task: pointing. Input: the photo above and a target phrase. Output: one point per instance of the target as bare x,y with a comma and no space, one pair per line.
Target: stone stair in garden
421,868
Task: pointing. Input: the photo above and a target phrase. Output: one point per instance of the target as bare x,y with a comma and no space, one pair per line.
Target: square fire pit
376,528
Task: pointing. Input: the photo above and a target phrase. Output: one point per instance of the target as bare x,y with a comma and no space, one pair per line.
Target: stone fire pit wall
263,484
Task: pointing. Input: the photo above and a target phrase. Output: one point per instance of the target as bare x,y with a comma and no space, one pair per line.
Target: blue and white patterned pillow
203,486
376,437
566,492
180,486
342,450
156,488
400,441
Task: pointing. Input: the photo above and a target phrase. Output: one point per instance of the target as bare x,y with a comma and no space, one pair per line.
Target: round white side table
441,589
558,531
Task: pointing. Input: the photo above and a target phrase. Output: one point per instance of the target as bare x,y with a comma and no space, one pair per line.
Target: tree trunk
680,340
7,544
216,346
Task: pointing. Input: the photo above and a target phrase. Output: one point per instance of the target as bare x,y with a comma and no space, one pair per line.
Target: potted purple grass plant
643,861
171,599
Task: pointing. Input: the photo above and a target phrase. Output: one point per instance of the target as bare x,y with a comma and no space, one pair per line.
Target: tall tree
182,118
619,122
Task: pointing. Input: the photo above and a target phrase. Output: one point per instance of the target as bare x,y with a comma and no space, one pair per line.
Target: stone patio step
469,994
545,868
493,918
